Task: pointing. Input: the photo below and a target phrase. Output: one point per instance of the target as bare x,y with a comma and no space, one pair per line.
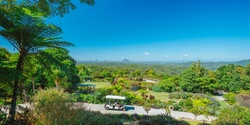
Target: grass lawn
100,84
163,96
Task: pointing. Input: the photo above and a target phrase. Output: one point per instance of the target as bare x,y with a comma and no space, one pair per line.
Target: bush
157,89
87,98
157,104
151,97
170,102
160,120
185,95
234,115
176,107
175,95
230,98
54,107
160,104
244,99
186,104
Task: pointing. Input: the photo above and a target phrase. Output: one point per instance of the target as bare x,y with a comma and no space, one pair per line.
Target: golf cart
115,102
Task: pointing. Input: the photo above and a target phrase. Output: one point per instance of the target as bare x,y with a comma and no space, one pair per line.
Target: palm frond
47,59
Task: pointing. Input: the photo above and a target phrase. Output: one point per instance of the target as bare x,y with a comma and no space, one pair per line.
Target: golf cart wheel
107,108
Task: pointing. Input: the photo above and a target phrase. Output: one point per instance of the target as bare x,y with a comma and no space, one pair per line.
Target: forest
42,72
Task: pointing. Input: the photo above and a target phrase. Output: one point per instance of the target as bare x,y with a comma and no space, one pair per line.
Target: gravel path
220,98
139,110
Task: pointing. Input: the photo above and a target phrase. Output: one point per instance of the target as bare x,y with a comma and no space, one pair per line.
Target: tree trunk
57,83
33,85
26,98
19,69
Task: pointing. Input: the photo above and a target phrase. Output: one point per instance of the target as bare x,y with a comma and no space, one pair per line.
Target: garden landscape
153,75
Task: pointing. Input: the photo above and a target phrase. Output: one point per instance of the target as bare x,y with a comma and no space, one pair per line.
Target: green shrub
54,107
186,105
87,98
161,104
170,102
160,120
230,98
147,107
175,95
178,95
233,115
171,96
184,95
176,107
157,89
51,106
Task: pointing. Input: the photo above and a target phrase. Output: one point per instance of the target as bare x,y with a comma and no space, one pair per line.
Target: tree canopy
47,8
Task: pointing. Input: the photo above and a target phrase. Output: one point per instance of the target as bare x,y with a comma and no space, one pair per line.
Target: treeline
107,70
196,78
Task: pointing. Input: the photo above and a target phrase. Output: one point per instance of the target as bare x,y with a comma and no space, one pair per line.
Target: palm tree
29,34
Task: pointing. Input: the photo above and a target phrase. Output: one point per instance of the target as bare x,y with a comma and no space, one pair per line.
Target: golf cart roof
115,97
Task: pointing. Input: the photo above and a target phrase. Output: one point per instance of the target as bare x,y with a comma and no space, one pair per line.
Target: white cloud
166,56
186,55
146,53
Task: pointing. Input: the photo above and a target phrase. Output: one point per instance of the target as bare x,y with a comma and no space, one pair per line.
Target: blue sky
159,30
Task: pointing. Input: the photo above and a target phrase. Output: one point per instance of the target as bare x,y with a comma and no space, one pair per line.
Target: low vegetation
54,107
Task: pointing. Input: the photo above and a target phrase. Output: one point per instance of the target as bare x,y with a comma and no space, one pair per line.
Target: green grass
100,84
163,96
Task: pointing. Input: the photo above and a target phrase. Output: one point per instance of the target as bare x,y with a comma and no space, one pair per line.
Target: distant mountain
243,62
125,60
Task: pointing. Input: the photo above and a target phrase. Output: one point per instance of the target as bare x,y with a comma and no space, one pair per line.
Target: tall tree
64,72
28,33
48,8
7,76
